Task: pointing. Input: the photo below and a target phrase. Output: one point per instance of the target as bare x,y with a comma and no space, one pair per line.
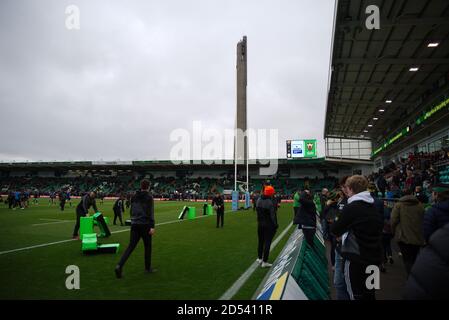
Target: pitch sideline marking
253,267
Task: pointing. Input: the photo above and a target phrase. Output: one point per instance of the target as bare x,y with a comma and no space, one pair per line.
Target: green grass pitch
194,259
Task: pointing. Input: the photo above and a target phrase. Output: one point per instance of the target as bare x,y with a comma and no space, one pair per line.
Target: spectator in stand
429,277
387,236
339,279
360,228
323,199
330,212
406,224
420,195
438,215
381,183
378,204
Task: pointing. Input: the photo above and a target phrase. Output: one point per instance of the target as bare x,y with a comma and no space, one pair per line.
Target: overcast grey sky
136,70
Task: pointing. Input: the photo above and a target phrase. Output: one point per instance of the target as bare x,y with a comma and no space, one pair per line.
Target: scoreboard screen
301,149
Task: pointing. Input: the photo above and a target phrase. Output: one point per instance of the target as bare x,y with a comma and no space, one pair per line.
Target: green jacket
296,200
407,220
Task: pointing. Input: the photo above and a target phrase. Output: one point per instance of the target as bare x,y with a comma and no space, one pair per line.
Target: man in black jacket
266,225
306,218
87,201
218,204
62,200
119,208
142,226
360,227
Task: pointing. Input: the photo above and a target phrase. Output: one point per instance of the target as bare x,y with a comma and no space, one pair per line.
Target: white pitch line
68,240
253,267
54,222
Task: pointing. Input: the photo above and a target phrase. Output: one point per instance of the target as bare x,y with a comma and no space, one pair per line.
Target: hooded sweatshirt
407,220
142,208
361,221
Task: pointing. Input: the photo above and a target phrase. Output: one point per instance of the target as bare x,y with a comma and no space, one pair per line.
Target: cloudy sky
137,70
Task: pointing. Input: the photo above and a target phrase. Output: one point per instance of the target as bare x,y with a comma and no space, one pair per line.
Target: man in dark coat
307,215
429,277
218,204
119,208
142,226
437,215
82,210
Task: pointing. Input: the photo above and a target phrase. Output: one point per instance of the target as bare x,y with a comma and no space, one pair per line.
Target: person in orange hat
266,225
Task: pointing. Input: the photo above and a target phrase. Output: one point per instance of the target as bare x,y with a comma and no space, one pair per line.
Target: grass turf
194,259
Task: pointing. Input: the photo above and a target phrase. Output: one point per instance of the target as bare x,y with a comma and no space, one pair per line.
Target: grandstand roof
371,67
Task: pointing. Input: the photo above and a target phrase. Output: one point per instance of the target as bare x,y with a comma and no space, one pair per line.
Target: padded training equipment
208,209
86,226
89,242
104,230
192,213
108,248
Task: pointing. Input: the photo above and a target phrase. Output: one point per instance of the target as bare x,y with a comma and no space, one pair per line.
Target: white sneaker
266,265
259,261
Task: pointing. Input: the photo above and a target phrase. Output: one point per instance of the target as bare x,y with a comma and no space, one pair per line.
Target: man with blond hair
360,227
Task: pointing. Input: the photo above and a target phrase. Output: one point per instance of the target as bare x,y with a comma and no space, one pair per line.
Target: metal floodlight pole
235,160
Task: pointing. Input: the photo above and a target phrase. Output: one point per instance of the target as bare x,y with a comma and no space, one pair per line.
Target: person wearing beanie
266,225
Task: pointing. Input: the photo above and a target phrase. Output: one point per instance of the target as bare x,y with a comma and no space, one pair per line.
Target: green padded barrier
310,271
210,210
89,242
192,213
86,226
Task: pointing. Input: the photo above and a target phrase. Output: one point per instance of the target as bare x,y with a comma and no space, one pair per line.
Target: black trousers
355,277
220,217
409,254
265,235
386,244
309,235
62,205
295,212
118,214
79,214
138,231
